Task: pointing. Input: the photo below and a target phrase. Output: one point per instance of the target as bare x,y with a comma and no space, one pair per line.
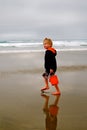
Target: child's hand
51,71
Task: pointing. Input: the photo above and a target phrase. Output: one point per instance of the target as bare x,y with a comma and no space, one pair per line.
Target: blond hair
49,41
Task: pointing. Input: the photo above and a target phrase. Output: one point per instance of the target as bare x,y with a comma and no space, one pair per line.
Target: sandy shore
21,103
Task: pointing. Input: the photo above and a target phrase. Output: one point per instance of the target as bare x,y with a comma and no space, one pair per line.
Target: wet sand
23,107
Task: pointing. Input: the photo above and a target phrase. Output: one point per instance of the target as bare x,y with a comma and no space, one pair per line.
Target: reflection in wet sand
51,112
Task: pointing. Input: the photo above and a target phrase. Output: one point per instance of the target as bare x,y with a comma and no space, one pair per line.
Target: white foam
20,51
26,47
29,51
73,49
19,44
70,43
36,44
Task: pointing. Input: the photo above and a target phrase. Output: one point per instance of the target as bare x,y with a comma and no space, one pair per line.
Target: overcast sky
36,19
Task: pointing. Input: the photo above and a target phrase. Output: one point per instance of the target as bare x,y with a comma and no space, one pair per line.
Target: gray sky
36,19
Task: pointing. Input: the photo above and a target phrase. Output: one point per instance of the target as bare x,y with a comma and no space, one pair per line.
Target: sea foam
23,46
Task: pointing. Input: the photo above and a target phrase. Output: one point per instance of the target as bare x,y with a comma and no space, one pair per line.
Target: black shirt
50,61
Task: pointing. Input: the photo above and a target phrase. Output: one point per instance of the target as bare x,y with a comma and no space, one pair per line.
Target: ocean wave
20,51
29,44
19,44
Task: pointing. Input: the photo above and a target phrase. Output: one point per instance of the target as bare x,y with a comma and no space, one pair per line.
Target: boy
50,65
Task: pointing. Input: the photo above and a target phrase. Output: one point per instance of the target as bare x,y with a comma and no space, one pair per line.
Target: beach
21,102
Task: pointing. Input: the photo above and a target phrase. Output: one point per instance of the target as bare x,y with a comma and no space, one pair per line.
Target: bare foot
56,93
45,88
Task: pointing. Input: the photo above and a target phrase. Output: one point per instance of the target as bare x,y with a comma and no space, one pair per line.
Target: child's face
46,45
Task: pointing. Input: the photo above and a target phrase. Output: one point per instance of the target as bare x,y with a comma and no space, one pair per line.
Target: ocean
37,46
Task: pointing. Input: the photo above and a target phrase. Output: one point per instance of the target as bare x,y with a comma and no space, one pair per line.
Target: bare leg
46,84
57,90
